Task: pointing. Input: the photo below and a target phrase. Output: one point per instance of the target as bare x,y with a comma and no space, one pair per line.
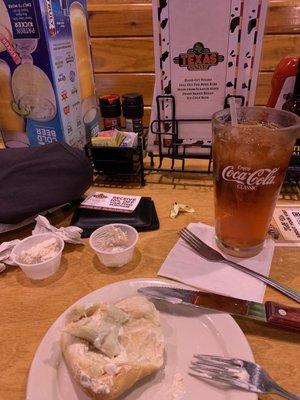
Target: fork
236,372
211,254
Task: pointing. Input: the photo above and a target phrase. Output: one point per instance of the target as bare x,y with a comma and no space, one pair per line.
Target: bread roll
108,348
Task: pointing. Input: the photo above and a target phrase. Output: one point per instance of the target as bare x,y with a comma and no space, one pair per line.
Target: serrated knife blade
270,312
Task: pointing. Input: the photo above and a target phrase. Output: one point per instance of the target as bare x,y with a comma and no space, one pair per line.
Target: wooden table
28,308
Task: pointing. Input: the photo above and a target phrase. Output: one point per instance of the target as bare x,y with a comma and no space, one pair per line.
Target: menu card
285,226
204,51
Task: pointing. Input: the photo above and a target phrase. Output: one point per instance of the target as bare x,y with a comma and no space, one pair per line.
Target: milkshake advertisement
46,75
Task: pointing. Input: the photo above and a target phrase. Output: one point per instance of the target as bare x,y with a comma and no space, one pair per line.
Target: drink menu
204,52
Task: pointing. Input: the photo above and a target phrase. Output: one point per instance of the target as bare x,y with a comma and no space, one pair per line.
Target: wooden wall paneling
113,19
275,47
122,45
125,83
119,20
283,17
123,54
263,89
136,54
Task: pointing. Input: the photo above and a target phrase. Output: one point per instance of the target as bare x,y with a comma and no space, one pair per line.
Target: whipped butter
114,240
102,330
40,252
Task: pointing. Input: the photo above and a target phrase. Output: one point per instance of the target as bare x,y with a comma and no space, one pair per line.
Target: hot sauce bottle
293,104
283,81
285,93
110,107
293,100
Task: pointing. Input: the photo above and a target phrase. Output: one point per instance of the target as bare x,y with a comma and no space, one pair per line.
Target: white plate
186,330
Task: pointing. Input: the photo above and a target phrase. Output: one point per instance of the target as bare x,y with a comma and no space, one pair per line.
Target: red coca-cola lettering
259,177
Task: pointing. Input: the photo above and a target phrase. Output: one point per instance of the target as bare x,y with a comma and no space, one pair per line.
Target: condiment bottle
293,101
133,112
110,107
293,104
283,81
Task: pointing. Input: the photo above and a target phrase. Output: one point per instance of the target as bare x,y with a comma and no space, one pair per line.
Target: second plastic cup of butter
111,253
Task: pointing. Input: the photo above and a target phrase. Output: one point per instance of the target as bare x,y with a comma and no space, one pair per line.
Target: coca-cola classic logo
249,179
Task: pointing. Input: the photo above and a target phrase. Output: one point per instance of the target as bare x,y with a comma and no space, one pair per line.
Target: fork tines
237,372
221,361
226,370
190,238
198,245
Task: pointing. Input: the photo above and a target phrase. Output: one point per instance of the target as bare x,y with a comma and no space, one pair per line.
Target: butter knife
270,312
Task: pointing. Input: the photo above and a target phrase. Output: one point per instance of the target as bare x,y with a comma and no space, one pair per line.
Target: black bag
36,179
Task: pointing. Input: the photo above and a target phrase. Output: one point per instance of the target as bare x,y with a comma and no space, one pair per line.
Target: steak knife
269,312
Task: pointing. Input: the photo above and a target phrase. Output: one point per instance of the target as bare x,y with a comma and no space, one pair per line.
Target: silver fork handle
282,392
293,294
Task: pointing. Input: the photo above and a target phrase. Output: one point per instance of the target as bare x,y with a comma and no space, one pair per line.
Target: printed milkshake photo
90,111
33,92
12,125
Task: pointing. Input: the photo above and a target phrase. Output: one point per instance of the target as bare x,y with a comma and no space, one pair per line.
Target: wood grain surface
28,308
135,54
122,18
125,83
107,20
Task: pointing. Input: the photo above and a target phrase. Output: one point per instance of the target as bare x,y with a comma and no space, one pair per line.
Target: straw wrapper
180,208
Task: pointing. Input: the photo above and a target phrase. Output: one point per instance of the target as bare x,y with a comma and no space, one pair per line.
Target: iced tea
250,161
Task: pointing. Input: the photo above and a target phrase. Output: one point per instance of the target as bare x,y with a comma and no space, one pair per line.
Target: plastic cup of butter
43,269
114,244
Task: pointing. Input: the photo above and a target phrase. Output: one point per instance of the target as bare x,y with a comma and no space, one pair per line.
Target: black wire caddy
116,166
175,148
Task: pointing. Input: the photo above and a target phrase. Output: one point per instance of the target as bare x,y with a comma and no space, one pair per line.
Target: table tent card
204,51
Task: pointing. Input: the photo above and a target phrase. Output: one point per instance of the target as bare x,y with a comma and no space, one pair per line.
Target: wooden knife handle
284,316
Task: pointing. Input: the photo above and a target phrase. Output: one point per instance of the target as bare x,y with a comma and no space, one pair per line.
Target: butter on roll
108,348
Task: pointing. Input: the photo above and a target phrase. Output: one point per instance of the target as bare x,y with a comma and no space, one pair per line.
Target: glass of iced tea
249,161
